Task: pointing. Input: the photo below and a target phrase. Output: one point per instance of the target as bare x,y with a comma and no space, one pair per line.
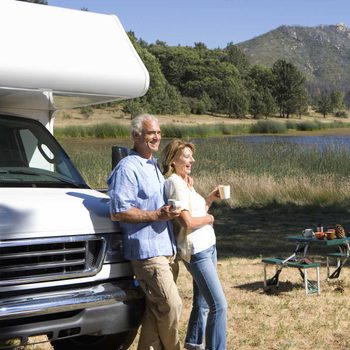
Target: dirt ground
114,115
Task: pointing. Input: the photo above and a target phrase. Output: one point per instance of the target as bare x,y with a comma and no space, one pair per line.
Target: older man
138,203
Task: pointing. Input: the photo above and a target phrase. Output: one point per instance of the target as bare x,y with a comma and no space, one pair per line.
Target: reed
281,126
265,190
277,159
203,131
259,174
102,130
107,130
268,127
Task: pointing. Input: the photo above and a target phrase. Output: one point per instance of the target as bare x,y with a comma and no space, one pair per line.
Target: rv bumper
99,310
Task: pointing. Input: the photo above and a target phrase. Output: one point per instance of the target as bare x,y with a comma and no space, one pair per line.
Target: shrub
86,111
310,125
268,127
291,125
66,116
341,114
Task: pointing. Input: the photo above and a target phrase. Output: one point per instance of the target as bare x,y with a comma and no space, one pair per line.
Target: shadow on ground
262,232
284,287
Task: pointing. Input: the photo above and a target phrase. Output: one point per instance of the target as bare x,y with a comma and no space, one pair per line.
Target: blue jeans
209,309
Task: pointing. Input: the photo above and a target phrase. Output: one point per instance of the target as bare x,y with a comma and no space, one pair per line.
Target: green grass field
259,175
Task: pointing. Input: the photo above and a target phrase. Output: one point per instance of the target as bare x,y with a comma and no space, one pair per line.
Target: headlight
114,251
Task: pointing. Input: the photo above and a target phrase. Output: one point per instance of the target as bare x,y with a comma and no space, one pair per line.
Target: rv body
62,271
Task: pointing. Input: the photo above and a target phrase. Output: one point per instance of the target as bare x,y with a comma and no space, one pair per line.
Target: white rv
62,272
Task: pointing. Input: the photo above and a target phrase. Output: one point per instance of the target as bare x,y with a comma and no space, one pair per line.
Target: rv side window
35,157
30,156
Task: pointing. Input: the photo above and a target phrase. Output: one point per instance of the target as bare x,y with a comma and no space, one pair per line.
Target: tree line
185,79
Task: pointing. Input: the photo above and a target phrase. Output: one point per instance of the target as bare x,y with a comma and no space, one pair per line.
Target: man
137,201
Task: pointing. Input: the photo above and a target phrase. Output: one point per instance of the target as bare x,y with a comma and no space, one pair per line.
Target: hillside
322,53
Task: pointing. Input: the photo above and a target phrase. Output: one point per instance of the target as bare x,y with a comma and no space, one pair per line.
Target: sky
213,22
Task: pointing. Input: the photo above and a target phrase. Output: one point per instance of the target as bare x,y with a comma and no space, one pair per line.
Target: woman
196,243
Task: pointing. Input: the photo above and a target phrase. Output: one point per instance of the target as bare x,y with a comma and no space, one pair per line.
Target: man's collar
143,160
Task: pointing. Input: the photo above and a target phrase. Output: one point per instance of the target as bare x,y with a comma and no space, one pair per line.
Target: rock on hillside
322,53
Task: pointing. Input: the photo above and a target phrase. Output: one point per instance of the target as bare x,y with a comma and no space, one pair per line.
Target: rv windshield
31,157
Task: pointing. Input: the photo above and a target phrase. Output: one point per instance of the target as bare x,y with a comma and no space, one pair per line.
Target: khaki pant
157,278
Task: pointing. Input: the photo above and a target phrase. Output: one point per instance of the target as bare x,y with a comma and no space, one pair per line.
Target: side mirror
118,152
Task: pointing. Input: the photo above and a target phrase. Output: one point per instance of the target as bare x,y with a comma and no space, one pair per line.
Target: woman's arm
189,222
176,188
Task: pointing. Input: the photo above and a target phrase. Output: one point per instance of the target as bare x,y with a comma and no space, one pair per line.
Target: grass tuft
268,127
259,174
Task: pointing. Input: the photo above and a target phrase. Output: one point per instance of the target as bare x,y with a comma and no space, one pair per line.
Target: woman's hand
212,196
189,181
212,219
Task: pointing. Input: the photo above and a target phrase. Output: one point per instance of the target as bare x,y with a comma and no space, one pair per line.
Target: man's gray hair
136,123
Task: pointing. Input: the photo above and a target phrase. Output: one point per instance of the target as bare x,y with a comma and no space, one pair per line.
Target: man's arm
136,215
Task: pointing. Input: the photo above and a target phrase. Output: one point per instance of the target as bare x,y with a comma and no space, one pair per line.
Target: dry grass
261,190
286,319
115,115
110,115
34,343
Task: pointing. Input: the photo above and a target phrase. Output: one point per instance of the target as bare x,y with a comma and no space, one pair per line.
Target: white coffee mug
308,232
224,191
175,205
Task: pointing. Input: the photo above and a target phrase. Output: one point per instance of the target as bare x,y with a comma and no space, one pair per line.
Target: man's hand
166,212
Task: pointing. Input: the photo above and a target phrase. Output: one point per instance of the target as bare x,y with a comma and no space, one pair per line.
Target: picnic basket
339,231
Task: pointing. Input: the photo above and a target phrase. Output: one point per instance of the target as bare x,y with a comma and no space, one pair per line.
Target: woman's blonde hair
171,151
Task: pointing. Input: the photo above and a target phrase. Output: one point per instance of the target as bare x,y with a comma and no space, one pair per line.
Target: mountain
322,53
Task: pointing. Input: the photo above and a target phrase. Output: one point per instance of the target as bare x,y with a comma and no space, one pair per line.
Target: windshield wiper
21,172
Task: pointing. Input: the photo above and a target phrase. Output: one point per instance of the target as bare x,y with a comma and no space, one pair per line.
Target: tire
119,341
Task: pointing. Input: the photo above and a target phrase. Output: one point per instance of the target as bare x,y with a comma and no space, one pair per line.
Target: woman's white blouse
189,241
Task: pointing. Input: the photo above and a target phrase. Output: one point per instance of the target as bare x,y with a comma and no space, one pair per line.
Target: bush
268,127
86,111
341,114
291,125
310,125
66,116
